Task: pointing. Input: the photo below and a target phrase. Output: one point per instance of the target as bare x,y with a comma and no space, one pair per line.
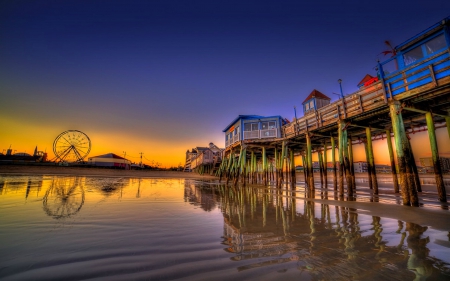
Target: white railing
251,135
270,133
236,138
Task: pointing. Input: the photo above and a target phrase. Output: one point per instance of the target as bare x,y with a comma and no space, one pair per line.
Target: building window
236,131
307,106
435,44
311,104
413,55
426,49
250,127
268,125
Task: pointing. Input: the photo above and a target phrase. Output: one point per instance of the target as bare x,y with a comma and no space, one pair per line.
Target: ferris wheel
71,146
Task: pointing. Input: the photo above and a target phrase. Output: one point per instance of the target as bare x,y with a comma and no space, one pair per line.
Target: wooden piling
341,125
264,165
293,177
350,159
435,156
369,171
391,158
319,153
414,170
325,165
447,121
309,161
371,163
304,169
346,157
333,160
409,194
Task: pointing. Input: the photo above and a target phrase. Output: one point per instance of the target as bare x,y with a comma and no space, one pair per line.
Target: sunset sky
161,77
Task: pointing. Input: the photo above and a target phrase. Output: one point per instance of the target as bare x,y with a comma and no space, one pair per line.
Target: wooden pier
412,90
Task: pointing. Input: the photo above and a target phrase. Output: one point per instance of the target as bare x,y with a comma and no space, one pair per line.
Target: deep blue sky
146,75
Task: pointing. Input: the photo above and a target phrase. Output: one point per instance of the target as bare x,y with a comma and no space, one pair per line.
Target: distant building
110,160
9,157
360,167
427,162
382,168
198,156
314,101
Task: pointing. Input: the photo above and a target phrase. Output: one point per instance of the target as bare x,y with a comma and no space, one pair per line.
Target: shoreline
431,217
96,172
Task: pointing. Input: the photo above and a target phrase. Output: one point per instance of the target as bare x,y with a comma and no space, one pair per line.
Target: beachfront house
314,101
253,127
206,156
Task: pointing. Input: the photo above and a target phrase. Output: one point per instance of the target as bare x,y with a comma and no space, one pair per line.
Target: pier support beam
292,161
369,171
264,165
409,193
415,171
305,173
371,163
309,161
447,121
391,158
333,160
319,154
342,136
325,166
350,159
435,156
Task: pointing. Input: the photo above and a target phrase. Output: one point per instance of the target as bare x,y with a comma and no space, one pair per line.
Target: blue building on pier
420,63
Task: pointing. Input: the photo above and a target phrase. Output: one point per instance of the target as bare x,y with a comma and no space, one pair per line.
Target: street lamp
340,86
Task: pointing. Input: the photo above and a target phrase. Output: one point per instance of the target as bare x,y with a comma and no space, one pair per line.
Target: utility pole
140,163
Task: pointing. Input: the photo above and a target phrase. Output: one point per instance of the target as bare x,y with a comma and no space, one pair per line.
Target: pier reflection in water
55,228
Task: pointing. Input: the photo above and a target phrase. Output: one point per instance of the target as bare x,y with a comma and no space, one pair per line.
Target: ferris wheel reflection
64,198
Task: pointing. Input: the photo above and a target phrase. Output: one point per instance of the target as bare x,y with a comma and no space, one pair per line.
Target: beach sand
100,172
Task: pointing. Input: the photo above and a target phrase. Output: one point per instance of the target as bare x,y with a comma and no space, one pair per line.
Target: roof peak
316,94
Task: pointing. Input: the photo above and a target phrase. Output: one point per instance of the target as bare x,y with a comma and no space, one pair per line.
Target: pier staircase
215,165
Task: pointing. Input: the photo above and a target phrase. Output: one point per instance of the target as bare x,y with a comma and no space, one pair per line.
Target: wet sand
437,217
96,172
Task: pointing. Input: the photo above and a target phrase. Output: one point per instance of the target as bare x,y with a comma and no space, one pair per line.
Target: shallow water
72,228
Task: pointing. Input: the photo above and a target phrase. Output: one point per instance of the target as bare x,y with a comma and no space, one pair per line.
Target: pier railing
419,76
365,99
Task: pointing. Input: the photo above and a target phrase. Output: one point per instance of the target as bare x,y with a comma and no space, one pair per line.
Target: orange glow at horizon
166,152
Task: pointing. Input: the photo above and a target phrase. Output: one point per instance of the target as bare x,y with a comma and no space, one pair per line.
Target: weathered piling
369,171
435,156
447,121
409,194
414,170
292,160
348,175
319,153
304,169
371,163
350,159
391,158
333,161
309,162
341,125
325,165
264,165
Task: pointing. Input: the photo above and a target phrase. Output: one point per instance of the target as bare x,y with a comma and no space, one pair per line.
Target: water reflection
266,227
64,197
184,229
